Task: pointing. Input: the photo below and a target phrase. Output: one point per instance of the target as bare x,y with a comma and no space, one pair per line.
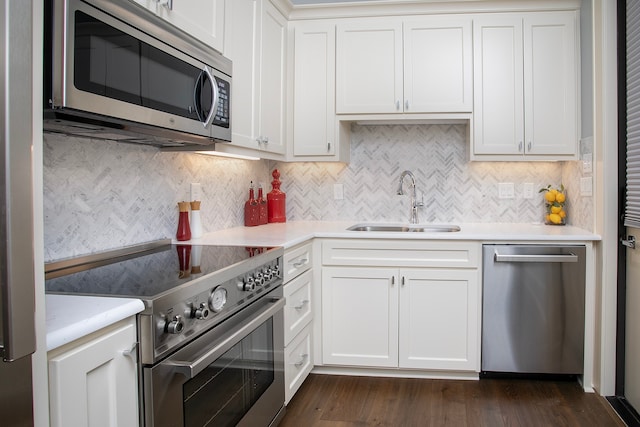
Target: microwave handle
214,97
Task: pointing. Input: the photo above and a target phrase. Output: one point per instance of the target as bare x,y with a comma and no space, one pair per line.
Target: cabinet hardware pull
520,146
393,280
166,3
302,304
406,105
397,105
132,352
328,147
303,357
402,280
300,263
529,146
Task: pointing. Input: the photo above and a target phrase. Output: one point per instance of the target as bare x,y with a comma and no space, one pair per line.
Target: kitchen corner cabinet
404,65
298,316
203,19
315,128
256,42
525,86
93,380
411,305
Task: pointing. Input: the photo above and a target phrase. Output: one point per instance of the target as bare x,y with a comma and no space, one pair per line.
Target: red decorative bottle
276,200
263,215
251,209
184,230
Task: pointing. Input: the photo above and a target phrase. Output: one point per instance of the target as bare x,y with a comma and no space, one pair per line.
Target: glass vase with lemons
554,201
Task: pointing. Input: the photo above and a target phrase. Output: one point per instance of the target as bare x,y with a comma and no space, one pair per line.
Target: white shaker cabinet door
360,316
369,66
438,65
95,383
439,319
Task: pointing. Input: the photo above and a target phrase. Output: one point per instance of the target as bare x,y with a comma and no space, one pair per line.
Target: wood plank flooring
344,401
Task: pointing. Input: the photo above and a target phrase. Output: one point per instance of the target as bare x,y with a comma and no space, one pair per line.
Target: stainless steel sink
410,228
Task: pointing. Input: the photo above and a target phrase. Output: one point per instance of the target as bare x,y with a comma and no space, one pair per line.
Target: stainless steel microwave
115,70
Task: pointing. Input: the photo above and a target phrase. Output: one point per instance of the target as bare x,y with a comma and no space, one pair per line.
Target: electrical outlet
586,186
338,191
506,190
196,191
527,190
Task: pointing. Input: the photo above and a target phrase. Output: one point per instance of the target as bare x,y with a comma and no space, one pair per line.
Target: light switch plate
506,190
587,163
338,191
196,191
527,190
586,186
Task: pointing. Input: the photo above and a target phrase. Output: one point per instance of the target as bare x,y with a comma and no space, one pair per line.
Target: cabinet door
369,66
298,362
439,319
314,116
272,79
438,65
360,316
203,19
498,108
95,384
550,83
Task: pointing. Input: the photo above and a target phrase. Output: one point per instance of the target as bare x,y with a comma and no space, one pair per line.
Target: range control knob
175,326
247,285
200,312
260,279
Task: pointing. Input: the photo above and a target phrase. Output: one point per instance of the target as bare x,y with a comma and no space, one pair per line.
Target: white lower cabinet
424,318
94,381
298,317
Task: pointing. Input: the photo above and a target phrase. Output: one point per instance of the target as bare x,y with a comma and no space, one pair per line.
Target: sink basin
410,228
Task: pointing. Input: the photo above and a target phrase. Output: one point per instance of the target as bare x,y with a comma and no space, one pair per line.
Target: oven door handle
192,368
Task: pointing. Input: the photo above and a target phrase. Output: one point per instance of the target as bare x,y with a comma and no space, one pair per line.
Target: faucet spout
413,214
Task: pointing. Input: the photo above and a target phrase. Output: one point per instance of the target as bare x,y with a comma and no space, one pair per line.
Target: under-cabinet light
233,156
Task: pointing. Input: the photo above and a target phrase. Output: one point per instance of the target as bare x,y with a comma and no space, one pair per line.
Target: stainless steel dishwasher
533,309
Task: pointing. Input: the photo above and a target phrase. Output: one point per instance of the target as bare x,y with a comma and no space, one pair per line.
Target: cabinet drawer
297,261
297,311
297,363
410,253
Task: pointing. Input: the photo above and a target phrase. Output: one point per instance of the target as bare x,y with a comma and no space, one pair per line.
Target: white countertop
289,234
70,317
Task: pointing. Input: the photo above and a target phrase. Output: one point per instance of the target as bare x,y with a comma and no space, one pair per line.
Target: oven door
232,375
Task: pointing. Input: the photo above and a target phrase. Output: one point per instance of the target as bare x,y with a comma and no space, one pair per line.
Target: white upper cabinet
203,19
256,43
412,65
315,128
525,86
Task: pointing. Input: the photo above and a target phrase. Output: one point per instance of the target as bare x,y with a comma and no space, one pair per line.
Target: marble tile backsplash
101,195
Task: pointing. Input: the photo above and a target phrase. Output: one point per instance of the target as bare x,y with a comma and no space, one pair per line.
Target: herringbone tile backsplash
101,195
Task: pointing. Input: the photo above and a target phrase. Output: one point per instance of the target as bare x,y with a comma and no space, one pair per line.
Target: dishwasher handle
570,257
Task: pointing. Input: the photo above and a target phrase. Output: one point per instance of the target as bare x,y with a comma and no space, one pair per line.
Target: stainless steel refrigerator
17,288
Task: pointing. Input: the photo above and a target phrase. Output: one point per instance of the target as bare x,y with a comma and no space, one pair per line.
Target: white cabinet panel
94,383
439,319
360,316
298,362
297,312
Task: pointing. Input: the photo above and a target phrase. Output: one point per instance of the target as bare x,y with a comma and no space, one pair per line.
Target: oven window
225,391
112,63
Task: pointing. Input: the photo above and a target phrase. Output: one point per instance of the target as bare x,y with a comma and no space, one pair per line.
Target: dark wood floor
333,400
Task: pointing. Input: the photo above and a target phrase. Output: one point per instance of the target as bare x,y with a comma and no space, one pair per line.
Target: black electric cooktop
150,273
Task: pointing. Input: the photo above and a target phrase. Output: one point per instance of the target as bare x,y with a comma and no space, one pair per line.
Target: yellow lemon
555,218
550,196
562,213
560,197
556,209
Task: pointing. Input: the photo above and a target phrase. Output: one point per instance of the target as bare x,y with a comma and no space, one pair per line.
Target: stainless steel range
211,335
